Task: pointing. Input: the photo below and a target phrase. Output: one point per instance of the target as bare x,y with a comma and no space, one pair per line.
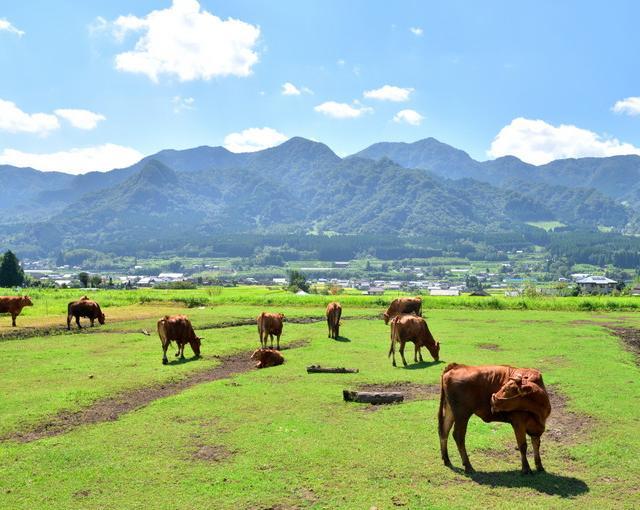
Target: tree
84,279
297,281
11,274
95,280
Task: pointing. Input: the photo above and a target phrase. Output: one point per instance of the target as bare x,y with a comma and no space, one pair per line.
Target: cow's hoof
527,471
469,470
165,361
540,469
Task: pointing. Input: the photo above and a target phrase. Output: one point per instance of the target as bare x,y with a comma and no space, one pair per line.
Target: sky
97,85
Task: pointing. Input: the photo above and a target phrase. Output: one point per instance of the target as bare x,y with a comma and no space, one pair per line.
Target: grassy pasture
280,438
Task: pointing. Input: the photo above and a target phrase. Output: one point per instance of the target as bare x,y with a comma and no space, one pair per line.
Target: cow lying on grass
334,312
403,305
410,328
14,305
270,324
494,393
84,307
267,358
177,328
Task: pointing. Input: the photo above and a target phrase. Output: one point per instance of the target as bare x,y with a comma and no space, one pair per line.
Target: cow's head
26,301
281,315
101,318
508,398
195,345
385,316
434,350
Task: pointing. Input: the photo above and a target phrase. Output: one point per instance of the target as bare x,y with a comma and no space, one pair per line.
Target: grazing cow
403,305
267,358
177,328
84,307
270,324
14,306
494,393
410,328
334,312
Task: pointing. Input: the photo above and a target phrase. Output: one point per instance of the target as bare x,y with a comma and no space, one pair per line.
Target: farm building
599,284
444,292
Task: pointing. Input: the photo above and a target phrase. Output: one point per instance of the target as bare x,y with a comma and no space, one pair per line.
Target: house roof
597,280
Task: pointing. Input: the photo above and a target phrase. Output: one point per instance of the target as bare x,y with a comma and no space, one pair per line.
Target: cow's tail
394,337
441,408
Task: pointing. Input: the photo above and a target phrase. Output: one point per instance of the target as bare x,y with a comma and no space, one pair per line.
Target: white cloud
538,142
14,120
187,42
389,93
81,119
289,89
253,139
181,104
8,27
417,31
630,106
342,110
74,161
409,116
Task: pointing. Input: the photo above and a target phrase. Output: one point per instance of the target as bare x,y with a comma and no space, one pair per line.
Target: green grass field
281,438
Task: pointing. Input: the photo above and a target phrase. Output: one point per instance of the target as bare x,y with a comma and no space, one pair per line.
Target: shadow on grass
547,483
422,364
182,361
342,339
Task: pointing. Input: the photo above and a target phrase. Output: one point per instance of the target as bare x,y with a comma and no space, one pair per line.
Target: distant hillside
300,186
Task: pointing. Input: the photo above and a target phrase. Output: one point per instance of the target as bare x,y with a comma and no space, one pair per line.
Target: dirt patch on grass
212,453
111,408
631,339
563,426
489,346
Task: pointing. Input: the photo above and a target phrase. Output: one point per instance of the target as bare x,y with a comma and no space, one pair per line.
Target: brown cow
403,305
177,328
84,307
334,312
410,328
481,391
270,324
14,306
267,358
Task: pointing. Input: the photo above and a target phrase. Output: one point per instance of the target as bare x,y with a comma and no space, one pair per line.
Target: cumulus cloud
342,110
188,42
629,106
181,104
417,31
409,117
74,161
253,139
14,120
289,89
537,142
389,93
8,27
81,119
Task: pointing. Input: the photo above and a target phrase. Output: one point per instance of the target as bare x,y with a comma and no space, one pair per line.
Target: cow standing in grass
177,328
494,393
270,324
403,305
410,328
14,305
334,312
84,307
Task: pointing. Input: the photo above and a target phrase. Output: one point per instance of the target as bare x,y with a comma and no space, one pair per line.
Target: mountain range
407,189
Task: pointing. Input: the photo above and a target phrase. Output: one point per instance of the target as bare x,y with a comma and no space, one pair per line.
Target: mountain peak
155,173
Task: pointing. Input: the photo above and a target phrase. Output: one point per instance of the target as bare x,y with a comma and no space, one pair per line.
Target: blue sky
92,85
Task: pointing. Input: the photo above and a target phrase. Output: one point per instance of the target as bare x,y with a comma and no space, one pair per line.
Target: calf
334,312
14,305
403,305
270,324
177,328
410,328
492,393
267,358
84,307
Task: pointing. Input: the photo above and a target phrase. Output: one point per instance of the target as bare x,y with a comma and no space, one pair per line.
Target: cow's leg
336,333
92,321
459,433
402,344
165,346
278,338
521,439
182,351
445,424
329,327
78,322
13,319
416,350
271,339
535,442
178,351
69,322
392,350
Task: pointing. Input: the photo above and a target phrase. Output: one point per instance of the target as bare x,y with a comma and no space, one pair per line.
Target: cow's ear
517,379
